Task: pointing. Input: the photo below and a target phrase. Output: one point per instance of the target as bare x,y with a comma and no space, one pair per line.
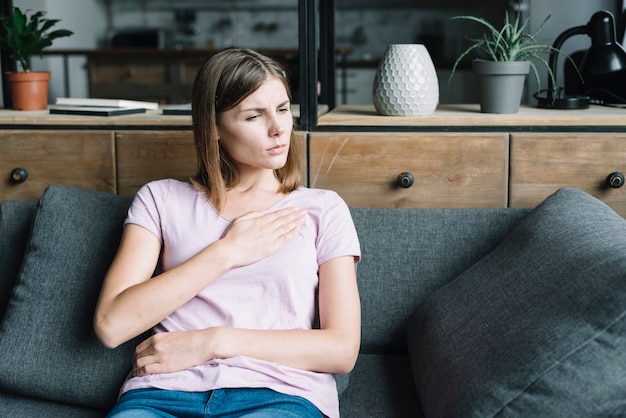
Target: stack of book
100,107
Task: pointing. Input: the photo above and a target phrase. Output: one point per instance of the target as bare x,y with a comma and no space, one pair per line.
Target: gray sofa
466,312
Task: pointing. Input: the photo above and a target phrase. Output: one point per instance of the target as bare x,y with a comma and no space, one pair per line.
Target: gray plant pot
500,85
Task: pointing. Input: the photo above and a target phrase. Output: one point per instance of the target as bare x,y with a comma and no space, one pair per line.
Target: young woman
246,278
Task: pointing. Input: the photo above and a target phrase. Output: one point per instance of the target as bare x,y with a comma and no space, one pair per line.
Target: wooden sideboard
111,154
457,157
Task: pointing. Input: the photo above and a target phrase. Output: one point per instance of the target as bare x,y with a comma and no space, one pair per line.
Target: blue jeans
226,403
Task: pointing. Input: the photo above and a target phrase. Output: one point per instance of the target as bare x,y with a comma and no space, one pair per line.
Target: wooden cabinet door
143,156
448,169
541,163
71,158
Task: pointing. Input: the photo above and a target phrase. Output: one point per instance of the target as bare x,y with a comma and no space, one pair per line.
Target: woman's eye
283,109
252,117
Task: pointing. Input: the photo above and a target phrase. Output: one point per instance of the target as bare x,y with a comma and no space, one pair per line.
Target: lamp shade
605,55
602,67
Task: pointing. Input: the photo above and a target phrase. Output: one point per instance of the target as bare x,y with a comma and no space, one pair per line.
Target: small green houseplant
509,47
24,35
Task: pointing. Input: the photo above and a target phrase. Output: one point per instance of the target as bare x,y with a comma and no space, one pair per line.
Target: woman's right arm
131,301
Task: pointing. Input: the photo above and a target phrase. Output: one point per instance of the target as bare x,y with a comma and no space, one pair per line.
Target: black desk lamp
605,56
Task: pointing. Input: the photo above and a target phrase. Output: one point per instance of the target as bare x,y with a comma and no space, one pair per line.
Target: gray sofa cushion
535,328
407,253
381,385
48,348
15,406
15,219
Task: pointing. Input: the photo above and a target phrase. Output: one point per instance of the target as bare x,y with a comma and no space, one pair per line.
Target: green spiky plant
511,43
24,35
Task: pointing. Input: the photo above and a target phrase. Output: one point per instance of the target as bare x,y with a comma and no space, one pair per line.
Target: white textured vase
406,82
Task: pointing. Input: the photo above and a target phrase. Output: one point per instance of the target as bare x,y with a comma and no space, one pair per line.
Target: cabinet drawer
143,156
542,163
72,158
135,72
449,169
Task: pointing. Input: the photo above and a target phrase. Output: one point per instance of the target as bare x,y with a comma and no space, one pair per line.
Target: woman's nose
276,126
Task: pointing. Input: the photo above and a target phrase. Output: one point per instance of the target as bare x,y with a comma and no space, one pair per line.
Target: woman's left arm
332,349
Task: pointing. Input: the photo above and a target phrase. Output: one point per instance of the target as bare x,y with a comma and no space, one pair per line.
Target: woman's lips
278,149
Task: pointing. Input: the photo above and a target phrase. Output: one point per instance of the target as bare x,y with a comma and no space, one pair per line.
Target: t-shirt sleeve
337,234
146,206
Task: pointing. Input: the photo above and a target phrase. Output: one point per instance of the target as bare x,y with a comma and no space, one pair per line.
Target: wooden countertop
361,117
40,119
469,115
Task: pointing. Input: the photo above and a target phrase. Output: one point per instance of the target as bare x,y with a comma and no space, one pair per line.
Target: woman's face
256,133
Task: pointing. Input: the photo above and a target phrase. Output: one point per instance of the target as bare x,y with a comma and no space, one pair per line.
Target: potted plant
23,35
508,55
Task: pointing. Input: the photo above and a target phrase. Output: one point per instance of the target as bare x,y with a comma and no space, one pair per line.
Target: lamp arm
556,48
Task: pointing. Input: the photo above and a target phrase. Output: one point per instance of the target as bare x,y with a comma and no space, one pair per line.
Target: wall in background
365,27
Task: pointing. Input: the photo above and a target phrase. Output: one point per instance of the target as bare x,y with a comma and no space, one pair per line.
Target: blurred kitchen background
363,29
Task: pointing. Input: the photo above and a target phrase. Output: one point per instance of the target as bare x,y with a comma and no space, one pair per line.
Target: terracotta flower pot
29,90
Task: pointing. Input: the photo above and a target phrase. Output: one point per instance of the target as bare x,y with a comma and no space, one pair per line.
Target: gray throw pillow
535,328
48,349
15,219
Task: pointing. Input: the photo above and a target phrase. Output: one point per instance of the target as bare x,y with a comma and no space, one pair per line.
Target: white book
94,102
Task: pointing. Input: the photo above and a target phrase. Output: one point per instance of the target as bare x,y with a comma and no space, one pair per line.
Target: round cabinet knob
18,175
615,180
131,72
405,180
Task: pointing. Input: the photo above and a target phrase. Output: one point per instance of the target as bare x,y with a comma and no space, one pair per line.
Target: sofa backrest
407,253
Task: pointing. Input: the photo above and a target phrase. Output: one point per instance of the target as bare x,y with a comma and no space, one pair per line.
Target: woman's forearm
333,348
316,350
328,350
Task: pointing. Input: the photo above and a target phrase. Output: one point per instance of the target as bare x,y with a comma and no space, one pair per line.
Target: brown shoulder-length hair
222,82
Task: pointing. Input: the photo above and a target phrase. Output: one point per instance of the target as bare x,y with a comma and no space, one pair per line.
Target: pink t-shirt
278,292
